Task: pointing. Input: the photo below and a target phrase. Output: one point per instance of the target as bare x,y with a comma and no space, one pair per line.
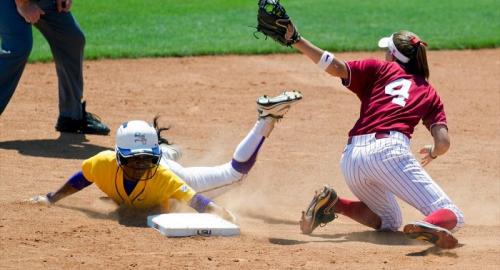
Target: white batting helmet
135,138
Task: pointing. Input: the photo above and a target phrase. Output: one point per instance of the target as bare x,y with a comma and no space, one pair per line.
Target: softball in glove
274,22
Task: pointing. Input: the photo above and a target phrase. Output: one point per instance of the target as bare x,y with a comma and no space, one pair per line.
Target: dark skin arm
52,197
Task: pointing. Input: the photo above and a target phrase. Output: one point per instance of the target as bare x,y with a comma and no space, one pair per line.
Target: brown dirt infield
209,102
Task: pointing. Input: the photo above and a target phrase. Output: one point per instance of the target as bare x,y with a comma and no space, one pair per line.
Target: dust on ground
210,104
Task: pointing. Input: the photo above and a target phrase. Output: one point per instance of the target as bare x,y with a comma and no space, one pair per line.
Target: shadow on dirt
89,212
380,238
67,146
124,216
288,242
269,219
434,251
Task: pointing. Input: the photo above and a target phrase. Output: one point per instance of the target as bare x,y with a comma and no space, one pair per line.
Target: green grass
151,28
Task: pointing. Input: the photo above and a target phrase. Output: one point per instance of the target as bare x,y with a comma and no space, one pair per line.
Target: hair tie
415,41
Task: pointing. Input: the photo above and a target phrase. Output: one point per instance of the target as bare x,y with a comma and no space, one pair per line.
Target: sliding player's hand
41,199
221,212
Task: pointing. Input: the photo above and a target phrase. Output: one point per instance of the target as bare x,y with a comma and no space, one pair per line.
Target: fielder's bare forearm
308,49
337,68
441,140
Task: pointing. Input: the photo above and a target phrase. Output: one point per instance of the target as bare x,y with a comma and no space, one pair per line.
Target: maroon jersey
392,99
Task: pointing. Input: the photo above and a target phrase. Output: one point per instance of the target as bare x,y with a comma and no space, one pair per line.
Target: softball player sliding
377,162
141,174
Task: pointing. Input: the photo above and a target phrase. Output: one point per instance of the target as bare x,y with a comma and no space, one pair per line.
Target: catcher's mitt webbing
273,21
320,210
273,7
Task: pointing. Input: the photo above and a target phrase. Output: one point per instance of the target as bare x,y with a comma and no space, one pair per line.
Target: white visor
387,42
384,42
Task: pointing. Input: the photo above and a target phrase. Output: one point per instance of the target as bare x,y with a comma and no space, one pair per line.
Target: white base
189,224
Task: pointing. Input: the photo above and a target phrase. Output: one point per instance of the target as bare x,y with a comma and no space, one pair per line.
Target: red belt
378,135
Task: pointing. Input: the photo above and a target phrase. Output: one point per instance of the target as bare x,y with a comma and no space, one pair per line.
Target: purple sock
244,167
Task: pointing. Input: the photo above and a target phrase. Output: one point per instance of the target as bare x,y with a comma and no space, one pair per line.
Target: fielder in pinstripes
377,162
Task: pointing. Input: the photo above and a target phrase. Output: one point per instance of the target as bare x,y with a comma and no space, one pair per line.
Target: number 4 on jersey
399,88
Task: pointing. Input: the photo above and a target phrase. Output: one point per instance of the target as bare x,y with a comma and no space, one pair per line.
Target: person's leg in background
67,43
15,47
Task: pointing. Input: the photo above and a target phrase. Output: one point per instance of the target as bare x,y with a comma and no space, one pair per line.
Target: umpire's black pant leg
67,43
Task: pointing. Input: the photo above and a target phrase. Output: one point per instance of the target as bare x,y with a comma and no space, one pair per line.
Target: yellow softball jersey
103,170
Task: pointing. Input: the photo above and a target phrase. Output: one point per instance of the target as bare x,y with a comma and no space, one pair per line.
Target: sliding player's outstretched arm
76,183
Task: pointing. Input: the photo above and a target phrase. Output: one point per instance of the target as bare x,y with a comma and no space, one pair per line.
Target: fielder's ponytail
412,47
421,61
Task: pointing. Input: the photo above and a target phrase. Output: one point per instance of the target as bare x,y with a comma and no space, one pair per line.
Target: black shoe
89,124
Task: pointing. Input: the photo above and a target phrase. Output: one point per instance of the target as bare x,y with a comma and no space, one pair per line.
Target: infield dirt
210,104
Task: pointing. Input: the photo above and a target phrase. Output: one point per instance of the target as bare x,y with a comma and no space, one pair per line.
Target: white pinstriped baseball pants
377,170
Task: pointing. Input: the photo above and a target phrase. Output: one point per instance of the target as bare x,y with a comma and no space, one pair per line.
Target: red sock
359,212
444,218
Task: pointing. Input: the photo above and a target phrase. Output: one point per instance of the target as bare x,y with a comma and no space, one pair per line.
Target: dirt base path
210,104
